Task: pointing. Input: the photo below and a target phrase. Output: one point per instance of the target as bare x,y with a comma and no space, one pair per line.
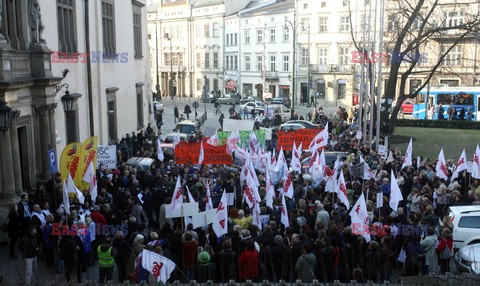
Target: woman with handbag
445,251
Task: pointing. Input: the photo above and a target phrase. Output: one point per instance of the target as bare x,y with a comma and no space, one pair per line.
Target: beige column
42,111
51,123
16,166
8,184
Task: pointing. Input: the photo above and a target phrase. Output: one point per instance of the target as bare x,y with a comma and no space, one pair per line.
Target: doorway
24,157
304,90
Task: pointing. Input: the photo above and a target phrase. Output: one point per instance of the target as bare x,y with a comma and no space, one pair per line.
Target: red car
407,106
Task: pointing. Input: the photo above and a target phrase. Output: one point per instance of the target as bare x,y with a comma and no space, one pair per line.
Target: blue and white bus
456,97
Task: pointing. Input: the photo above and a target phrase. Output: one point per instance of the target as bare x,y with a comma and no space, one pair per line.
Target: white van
466,225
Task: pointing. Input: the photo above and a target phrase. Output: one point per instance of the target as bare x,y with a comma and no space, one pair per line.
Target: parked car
467,259
184,128
158,107
407,106
304,123
140,163
272,110
280,100
257,105
211,98
291,126
330,157
466,225
229,99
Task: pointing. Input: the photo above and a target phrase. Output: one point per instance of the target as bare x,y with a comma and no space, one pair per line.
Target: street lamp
5,116
68,102
205,92
170,82
294,30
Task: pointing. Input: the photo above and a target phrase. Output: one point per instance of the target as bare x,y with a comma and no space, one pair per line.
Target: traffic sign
195,105
52,155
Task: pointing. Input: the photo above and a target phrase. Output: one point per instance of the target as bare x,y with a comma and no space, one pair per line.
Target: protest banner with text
305,136
244,137
188,153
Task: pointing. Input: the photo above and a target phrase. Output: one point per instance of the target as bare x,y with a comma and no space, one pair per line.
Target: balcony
271,75
332,68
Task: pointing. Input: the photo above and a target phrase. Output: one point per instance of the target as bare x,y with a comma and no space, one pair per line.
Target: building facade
40,41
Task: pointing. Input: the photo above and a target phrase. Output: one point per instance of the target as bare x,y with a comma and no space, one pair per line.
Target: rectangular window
198,30
286,35
180,59
259,36
324,4
215,30
304,53
236,62
453,19
345,3
322,24
272,63
304,25
235,42
343,55
215,84
322,56
207,60
450,82
215,60
199,60
392,22
342,89
67,37
139,107
199,84
454,57
286,63
206,29
259,63
272,36
247,63
247,37
415,84
108,25
227,60
344,23
175,59
166,59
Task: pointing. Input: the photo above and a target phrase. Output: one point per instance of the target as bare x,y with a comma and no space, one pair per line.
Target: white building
259,49
114,91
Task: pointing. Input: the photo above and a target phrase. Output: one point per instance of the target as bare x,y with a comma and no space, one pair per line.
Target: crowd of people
318,243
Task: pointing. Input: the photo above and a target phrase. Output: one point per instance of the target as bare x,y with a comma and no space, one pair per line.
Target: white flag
159,151
256,219
190,197
220,224
367,172
232,141
253,144
359,216
288,187
176,139
284,217
177,199
342,191
441,167
71,188
295,162
160,266
395,193
407,160
201,156
91,178
390,157
250,194
66,201
213,140
321,140
460,166
270,190
209,205
476,164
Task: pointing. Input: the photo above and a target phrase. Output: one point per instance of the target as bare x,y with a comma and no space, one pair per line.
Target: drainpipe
89,68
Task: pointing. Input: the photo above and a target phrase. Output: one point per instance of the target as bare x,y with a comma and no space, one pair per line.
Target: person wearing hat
106,260
205,270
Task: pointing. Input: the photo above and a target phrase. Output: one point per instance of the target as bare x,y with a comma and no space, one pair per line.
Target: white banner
107,156
240,125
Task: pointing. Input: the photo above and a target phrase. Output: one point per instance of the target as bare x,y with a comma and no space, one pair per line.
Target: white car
272,110
158,106
466,225
467,259
257,105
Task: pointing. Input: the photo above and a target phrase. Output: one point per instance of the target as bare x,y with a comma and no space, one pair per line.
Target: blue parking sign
52,158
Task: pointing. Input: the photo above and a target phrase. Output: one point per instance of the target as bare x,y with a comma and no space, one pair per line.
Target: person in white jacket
429,243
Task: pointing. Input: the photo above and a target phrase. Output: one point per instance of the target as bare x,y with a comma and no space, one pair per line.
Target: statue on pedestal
36,22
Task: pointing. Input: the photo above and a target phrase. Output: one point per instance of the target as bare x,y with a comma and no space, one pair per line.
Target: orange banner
187,153
70,160
305,136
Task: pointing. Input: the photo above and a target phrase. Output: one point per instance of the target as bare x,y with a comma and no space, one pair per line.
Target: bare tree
413,27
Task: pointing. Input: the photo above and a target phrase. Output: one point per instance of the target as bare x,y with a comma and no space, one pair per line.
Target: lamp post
170,82
68,102
5,116
294,30
205,92
156,55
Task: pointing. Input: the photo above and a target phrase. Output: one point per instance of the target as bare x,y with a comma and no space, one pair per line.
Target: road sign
52,155
195,104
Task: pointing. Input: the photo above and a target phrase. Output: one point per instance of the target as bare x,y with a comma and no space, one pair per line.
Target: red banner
305,136
187,153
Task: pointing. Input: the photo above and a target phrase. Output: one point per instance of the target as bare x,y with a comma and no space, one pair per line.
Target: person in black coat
176,114
13,229
123,251
226,261
187,111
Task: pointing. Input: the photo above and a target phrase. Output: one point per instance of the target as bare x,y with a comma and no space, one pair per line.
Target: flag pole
181,272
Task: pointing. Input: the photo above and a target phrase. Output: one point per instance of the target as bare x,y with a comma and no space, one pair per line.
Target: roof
465,209
270,8
205,3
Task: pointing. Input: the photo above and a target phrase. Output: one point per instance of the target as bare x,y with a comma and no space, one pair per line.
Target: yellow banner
88,154
70,160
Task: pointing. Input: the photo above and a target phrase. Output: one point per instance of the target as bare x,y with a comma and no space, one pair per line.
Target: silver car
467,259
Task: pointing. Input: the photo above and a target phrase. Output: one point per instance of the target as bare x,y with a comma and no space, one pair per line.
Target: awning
230,84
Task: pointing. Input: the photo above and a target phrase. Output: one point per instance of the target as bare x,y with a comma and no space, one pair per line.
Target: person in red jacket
248,263
445,251
97,216
190,251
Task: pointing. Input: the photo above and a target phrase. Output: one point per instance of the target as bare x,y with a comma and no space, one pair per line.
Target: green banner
244,137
